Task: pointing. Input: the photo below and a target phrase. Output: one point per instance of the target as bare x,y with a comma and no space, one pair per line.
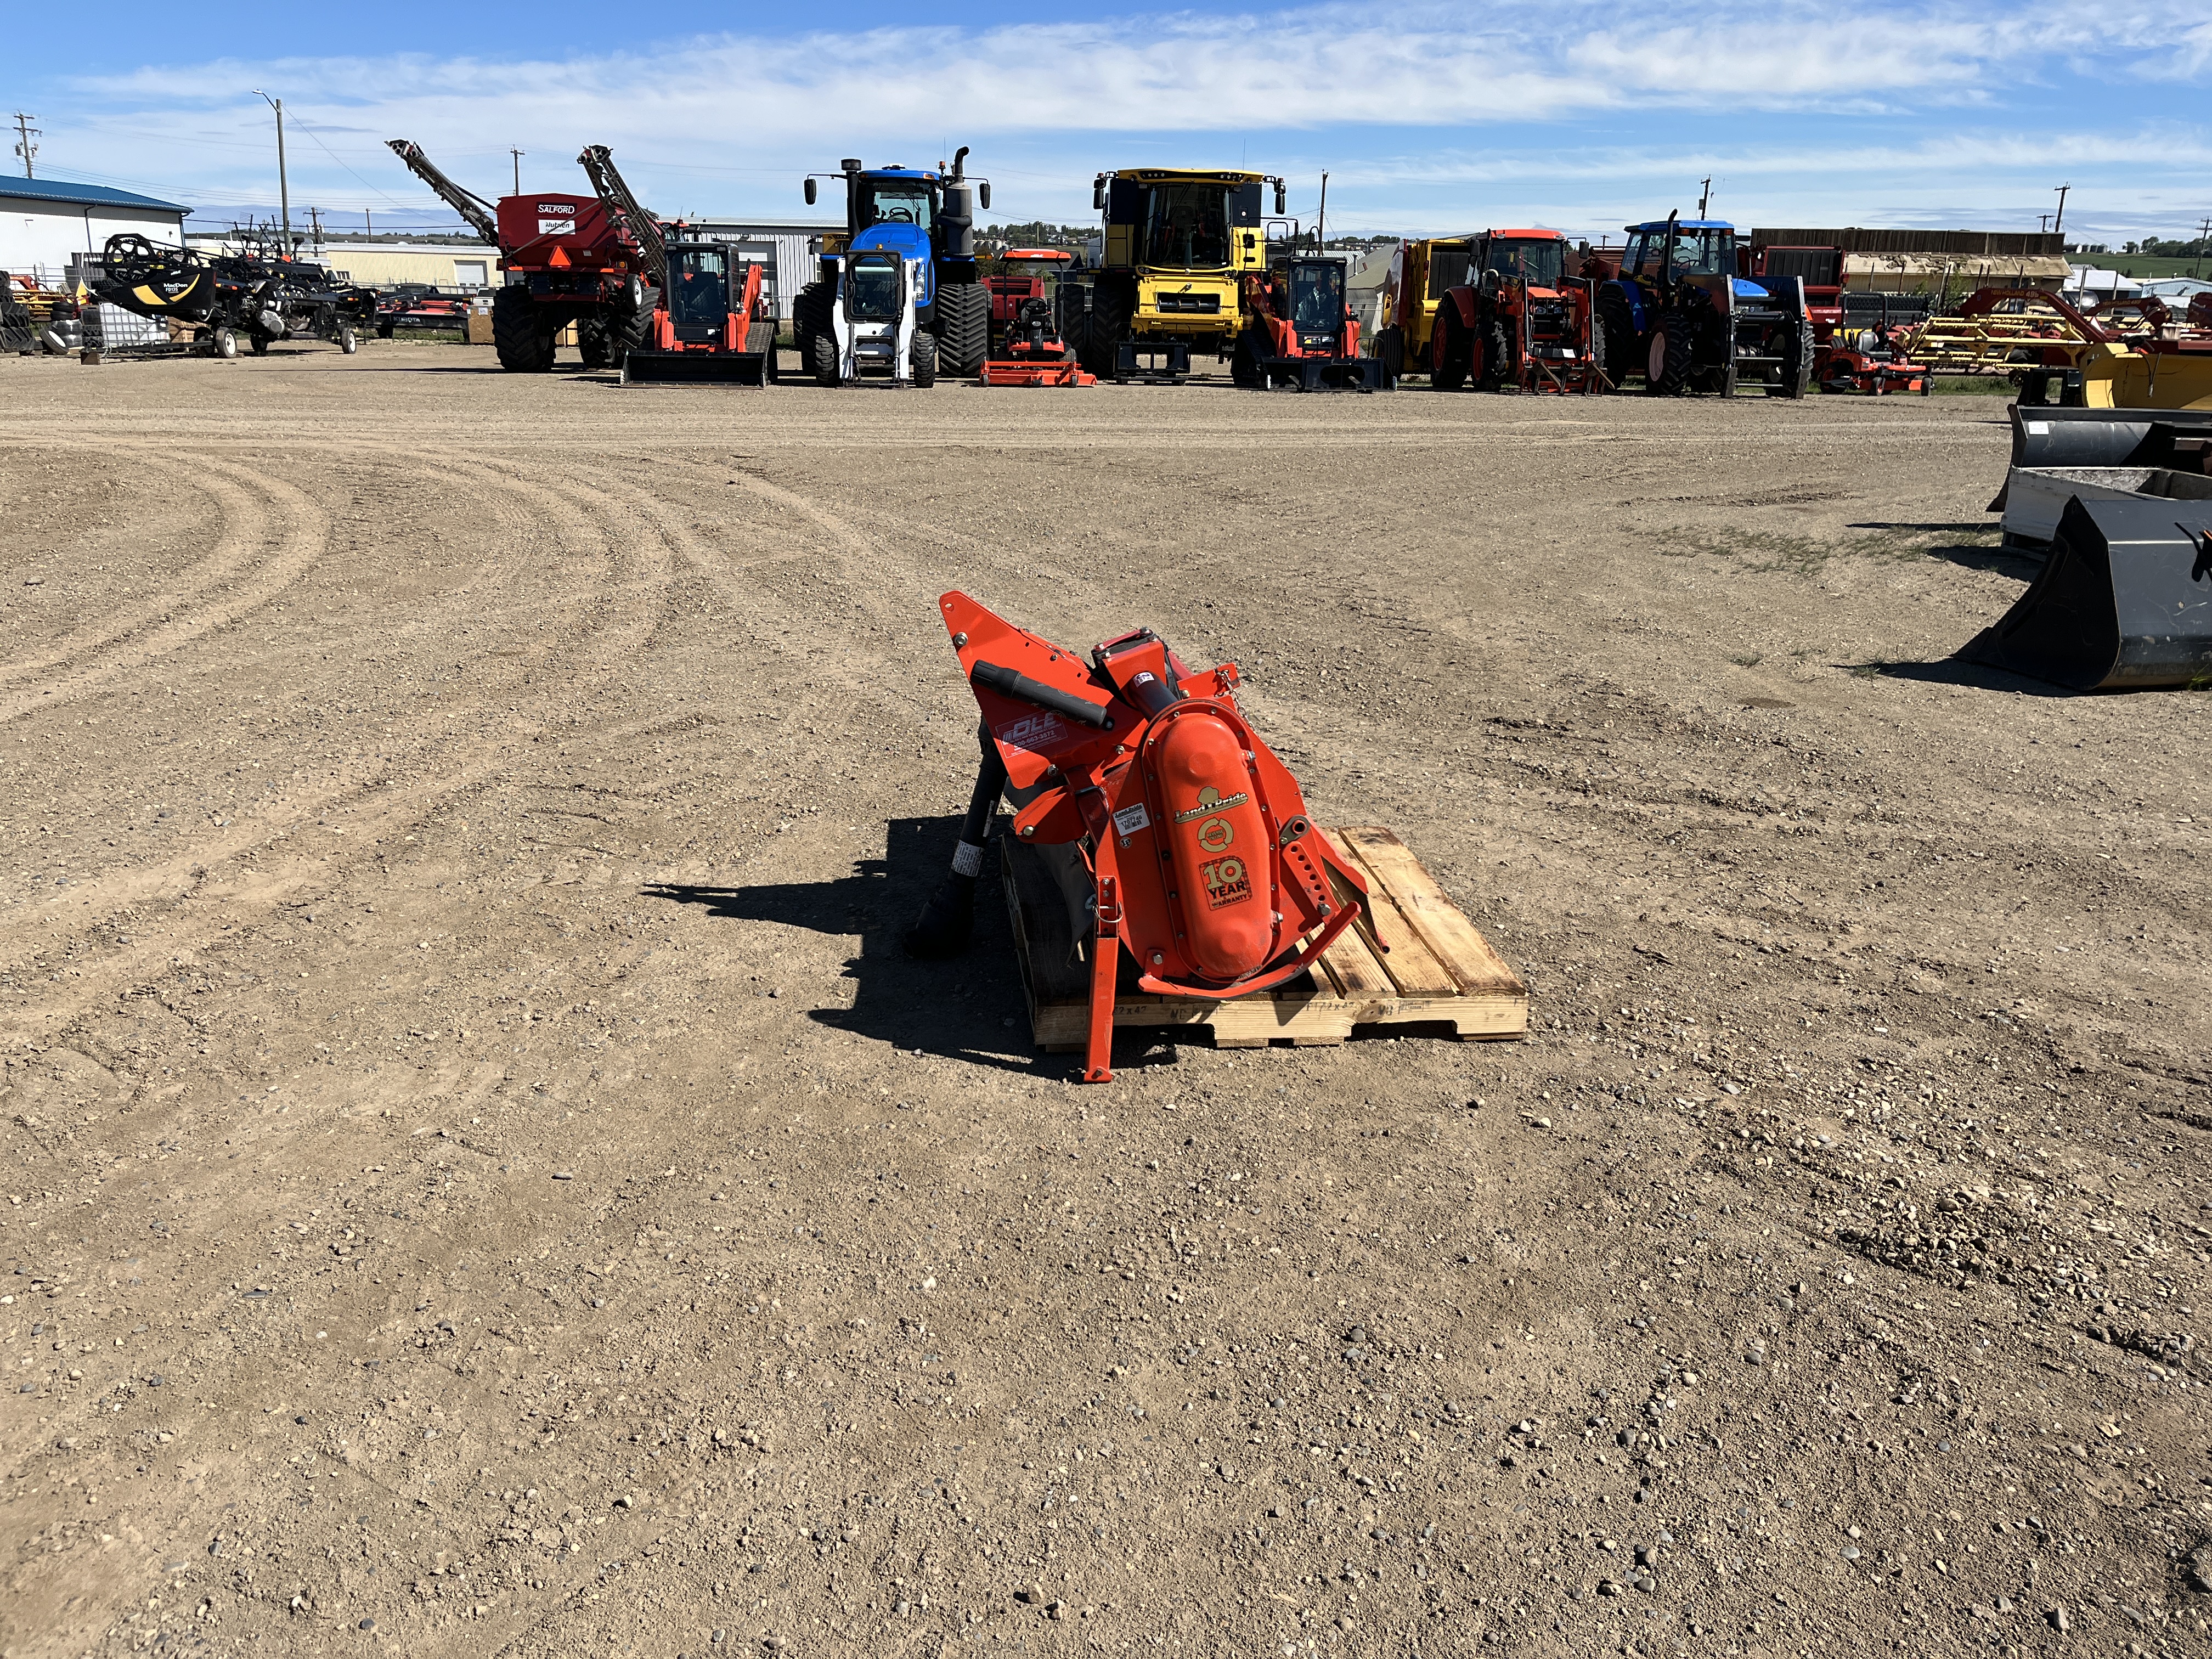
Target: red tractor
1519,322
567,260
1027,344
1299,332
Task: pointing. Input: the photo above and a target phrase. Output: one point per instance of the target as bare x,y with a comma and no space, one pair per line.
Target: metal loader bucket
2125,601
695,368
2102,437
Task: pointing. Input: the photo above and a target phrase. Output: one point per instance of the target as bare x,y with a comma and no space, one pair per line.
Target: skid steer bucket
1322,373
697,367
2123,603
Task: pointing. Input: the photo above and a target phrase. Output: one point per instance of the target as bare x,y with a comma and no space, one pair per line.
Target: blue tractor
929,221
1679,316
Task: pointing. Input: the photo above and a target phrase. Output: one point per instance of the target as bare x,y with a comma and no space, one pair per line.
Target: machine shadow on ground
971,1008
1960,672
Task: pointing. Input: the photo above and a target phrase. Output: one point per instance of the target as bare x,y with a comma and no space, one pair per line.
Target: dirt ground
480,1177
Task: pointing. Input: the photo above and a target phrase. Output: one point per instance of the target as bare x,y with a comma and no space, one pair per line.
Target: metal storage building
46,225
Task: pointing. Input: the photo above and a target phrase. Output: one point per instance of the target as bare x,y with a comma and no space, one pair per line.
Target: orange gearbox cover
1218,845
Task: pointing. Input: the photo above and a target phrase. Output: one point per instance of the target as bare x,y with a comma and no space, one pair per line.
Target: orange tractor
1175,834
1027,344
1519,321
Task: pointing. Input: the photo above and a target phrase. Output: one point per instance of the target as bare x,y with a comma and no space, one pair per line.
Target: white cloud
705,121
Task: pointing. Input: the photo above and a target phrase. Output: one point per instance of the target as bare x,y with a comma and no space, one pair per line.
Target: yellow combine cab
1425,272
1168,281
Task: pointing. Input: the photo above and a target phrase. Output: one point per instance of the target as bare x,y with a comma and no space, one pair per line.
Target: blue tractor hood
909,242
1747,289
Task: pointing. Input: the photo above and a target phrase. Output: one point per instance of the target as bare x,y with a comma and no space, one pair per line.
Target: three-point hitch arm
466,203
629,216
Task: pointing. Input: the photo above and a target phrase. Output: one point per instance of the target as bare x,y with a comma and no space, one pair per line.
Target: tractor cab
1665,249
698,296
1538,257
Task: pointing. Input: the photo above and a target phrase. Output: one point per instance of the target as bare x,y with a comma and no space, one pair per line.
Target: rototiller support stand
1190,837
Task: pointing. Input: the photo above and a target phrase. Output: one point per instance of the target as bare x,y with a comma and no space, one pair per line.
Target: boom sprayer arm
628,214
466,203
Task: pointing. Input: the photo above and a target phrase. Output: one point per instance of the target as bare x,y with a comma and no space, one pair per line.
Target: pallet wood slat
1458,942
1439,970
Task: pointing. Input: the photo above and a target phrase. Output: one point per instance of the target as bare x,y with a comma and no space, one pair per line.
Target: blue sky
1427,116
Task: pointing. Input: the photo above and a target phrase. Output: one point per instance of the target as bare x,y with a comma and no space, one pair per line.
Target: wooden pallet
1438,970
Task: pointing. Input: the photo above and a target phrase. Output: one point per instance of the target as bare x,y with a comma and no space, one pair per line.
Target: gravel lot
481,1179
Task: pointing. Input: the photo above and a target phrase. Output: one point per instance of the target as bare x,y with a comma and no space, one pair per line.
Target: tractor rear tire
1797,355
922,363
1498,367
1448,351
519,334
1390,348
812,310
1615,344
1244,362
964,327
1112,308
595,342
822,360
1666,371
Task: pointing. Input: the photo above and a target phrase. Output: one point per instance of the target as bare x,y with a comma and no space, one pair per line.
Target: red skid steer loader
1299,332
713,323
1180,838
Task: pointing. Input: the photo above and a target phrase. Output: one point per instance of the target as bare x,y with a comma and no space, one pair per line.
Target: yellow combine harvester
1169,281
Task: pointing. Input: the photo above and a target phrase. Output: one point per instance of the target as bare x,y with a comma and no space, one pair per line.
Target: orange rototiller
1182,840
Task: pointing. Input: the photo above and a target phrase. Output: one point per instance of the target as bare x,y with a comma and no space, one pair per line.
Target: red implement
1021,371
1202,863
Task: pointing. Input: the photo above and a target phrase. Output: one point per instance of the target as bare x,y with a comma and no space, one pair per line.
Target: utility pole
2043,222
1704,195
24,147
283,186
2058,226
368,219
1321,218
518,154
315,219
2203,229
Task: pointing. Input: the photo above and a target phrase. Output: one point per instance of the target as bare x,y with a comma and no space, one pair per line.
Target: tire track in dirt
638,584
300,530
260,891
243,523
